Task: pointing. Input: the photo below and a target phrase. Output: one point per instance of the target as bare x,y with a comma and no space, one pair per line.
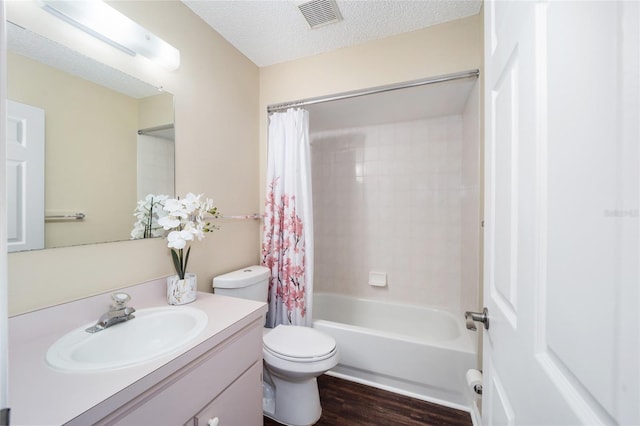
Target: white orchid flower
176,208
175,241
196,231
178,239
138,231
191,197
169,222
148,211
191,202
184,218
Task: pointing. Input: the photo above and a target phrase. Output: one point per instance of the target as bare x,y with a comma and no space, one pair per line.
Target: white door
562,93
25,177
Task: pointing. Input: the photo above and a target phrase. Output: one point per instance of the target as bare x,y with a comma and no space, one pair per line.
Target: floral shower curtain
287,245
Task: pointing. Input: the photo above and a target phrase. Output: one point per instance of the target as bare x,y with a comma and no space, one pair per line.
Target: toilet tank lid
242,277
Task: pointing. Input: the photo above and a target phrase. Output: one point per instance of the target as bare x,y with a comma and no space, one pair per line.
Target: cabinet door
239,405
179,396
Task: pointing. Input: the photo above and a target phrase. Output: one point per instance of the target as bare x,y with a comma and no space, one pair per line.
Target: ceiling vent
320,12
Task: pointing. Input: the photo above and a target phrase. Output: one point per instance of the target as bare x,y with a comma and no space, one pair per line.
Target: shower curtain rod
380,89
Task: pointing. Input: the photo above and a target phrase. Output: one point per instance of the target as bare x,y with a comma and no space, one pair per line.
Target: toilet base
297,400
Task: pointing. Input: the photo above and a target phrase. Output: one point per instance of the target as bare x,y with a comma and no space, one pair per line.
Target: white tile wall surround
401,198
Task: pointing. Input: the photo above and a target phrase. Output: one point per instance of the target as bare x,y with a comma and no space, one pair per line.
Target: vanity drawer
239,405
176,399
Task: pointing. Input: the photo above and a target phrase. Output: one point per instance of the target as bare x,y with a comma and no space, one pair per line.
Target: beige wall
218,93
155,111
442,49
216,100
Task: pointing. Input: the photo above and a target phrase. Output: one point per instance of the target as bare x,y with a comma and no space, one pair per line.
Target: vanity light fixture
100,20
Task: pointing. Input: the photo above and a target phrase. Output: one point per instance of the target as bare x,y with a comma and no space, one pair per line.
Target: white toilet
293,355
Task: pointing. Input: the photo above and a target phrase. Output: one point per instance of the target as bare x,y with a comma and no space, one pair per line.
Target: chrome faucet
119,312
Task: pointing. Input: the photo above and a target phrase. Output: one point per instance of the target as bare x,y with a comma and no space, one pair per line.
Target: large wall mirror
108,140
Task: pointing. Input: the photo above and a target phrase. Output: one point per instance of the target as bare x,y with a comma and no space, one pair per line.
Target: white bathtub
416,351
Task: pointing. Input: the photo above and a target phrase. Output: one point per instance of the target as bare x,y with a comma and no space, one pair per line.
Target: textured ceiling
273,31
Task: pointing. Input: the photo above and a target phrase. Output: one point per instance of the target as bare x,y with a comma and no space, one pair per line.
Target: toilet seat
299,344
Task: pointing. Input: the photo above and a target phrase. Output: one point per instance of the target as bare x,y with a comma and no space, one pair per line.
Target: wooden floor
346,403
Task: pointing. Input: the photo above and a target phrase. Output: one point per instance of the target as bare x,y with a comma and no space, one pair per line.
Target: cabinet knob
213,422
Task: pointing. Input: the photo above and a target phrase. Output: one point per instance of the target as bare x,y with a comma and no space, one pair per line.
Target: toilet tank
251,283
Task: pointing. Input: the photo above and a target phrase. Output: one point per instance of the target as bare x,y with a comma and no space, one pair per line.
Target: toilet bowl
294,356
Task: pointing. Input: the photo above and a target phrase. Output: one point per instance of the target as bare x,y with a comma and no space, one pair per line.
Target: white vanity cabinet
230,408
224,383
217,377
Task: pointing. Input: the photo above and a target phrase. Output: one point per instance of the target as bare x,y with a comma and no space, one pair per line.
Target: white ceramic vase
183,291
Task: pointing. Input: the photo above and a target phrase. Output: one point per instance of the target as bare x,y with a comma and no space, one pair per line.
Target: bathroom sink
153,332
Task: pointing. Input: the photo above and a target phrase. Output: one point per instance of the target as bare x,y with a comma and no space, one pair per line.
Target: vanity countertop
41,395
